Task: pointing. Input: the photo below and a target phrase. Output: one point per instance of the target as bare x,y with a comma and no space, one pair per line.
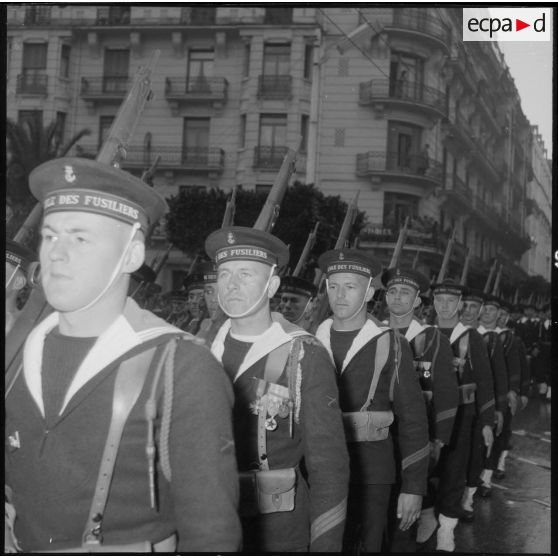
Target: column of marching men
359,434
424,435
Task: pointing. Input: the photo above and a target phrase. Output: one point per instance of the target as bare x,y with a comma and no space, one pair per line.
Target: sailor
377,382
291,450
297,298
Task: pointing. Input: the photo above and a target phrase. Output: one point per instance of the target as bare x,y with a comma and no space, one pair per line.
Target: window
263,188
200,68
115,72
403,147
304,122
308,61
37,15
246,61
277,59
34,78
242,130
272,141
278,16
105,122
406,76
65,61
397,207
195,144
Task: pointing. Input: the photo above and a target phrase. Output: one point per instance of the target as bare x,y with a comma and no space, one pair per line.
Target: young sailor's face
446,305
470,311
489,314
346,293
400,299
79,253
293,305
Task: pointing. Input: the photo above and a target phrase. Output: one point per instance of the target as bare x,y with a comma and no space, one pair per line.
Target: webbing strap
128,384
274,366
380,359
463,348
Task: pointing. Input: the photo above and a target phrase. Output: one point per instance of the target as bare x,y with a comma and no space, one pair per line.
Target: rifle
265,222
320,308
415,261
270,211
310,241
112,152
516,297
486,289
230,209
148,174
465,272
445,262
399,245
157,266
497,281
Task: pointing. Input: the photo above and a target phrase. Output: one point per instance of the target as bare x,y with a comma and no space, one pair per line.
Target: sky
530,65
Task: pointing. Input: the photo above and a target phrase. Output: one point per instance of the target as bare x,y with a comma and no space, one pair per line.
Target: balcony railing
198,88
274,86
114,15
421,22
198,16
186,158
459,187
116,86
402,90
394,162
269,156
32,84
278,16
416,235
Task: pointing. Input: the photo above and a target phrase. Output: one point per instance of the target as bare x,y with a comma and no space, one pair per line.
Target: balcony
198,16
419,26
458,134
32,84
278,16
37,16
274,87
193,90
400,93
200,159
113,15
417,169
104,88
269,157
486,164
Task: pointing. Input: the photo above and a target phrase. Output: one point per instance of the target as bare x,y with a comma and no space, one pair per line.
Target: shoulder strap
396,362
276,361
419,341
380,359
128,384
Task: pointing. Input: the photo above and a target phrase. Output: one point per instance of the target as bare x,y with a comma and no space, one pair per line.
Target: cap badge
69,174
341,256
230,238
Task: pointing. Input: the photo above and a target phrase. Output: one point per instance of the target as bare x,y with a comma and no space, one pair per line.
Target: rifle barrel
400,242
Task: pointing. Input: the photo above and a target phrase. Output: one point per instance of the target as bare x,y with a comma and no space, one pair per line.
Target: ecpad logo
507,24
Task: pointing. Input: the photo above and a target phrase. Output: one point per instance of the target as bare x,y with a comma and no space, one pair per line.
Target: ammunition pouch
467,394
367,426
264,492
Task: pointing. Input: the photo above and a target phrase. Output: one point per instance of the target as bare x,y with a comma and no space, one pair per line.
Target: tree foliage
28,145
195,214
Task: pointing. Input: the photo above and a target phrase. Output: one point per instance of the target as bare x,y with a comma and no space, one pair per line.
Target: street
516,518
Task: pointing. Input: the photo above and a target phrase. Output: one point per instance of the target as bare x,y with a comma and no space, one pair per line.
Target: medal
270,424
283,411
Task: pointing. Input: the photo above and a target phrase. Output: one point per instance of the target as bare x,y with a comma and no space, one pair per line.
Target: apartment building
388,101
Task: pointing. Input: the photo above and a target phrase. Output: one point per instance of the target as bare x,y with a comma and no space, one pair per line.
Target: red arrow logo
519,25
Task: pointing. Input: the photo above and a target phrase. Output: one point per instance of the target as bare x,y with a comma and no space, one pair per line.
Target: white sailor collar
458,331
368,332
132,328
415,327
280,332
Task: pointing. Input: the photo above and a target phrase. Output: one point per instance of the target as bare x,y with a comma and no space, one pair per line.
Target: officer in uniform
433,360
84,478
18,260
476,399
291,450
376,380
297,298
473,307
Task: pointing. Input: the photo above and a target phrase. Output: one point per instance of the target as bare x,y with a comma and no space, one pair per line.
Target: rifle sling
128,384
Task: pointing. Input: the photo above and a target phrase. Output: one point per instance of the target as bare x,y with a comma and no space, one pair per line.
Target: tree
28,145
195,214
